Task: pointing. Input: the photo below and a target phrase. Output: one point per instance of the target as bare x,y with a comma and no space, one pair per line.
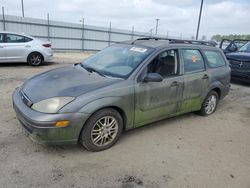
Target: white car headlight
51,105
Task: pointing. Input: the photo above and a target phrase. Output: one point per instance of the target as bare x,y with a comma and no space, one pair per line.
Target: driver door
158,100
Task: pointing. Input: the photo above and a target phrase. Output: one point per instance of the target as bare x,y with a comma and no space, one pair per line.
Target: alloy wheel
104,131
210,104
35,59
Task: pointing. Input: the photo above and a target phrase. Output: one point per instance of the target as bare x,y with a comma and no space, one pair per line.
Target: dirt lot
186,151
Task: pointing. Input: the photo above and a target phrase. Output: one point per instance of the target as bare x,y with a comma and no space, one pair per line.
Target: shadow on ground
21,64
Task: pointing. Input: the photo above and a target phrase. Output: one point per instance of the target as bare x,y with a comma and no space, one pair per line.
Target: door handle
27,46
175,83
1,46
205,77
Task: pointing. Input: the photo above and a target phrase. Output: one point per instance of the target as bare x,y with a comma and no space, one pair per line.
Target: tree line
230,37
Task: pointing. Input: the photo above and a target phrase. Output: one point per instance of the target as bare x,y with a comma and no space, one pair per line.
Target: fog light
62,123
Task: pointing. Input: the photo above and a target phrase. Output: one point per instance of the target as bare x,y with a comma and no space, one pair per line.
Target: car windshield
245,48
118,60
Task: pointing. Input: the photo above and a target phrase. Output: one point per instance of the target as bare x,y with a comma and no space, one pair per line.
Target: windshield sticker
136,49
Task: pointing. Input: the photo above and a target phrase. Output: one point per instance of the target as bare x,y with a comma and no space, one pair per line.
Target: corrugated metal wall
68,36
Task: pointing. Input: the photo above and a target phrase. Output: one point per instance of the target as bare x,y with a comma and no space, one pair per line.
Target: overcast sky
176,16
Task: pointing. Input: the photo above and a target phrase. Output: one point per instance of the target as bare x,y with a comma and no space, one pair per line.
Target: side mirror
153,77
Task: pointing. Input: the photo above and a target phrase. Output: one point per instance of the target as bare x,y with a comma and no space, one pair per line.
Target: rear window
193,61
214,59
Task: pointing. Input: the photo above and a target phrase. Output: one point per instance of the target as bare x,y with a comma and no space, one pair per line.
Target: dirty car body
129,78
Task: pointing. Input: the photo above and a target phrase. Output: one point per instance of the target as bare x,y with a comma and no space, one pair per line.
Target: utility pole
151,32
82,33
109,36
48,31
156,27
198,27
22,8
132,33
4,27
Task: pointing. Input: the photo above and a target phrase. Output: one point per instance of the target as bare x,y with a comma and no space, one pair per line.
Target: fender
117,102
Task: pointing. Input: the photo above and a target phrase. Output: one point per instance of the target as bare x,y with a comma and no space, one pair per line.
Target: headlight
51,105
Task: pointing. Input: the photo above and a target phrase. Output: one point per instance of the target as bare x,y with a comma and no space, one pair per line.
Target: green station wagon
124,86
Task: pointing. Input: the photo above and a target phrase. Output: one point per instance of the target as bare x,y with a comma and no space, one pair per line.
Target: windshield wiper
90,69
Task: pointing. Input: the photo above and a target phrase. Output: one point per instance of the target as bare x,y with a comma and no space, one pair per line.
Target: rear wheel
102,130
35,59
209,104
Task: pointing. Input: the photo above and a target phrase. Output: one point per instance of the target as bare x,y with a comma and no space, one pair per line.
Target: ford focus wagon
124,86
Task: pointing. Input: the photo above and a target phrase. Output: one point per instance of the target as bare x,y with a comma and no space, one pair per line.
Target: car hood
240,56
66,81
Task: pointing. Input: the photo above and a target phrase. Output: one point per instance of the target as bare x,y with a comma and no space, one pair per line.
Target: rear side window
27,39
214,59
10,38
193,61
1,37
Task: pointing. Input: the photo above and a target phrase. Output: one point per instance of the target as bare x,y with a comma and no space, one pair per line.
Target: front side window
119,60
10,38
165,64
193,61
214,59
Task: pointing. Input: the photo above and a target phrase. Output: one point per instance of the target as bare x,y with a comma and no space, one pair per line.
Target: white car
16,47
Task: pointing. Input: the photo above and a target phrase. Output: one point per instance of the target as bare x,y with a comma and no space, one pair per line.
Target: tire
206,109
96,135
35,59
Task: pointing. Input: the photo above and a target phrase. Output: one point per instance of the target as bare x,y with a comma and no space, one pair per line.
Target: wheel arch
116,108
34,52
218,91
217,87
122,113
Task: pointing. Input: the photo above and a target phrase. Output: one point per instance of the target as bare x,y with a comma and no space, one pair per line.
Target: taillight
47,45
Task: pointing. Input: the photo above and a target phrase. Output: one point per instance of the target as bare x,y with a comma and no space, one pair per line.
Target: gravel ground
186,151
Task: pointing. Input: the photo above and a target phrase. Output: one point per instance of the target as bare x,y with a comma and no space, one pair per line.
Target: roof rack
176,41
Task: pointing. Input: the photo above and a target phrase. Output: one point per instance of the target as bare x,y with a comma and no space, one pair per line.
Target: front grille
25,99
235,64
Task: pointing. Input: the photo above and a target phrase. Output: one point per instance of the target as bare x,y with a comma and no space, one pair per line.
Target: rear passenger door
2,51
219,70
196,80
16,47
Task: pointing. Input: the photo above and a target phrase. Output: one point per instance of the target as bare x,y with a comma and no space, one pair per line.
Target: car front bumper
41,127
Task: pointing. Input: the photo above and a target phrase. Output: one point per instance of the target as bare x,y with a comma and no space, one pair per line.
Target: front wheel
209,104
35,59
102,130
